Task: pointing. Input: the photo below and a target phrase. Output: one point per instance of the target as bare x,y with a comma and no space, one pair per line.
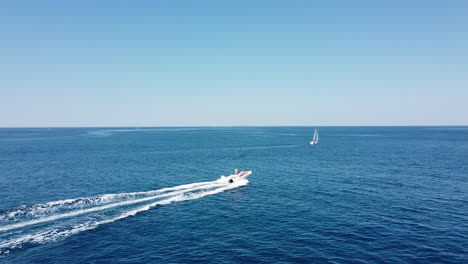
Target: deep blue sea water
362,195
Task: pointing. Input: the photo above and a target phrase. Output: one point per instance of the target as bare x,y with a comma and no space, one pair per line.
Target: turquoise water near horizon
157,195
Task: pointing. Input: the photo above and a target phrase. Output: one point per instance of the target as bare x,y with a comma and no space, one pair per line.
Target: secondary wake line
106,198
104,207
58,231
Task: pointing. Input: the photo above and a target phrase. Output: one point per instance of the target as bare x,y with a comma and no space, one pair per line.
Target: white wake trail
56,231
100,208
69,204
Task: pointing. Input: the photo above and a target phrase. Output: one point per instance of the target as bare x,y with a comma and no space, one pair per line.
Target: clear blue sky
222,63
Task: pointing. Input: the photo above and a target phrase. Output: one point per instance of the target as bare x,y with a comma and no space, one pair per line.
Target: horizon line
211,126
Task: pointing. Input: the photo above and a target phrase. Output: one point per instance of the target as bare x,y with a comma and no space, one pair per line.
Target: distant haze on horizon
233,63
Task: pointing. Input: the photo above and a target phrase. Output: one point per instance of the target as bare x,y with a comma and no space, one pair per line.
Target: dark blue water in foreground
363,195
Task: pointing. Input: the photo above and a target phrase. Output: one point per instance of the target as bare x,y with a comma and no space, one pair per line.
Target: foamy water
42,223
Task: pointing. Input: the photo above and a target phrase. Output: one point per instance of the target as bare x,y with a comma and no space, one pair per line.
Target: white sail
314,138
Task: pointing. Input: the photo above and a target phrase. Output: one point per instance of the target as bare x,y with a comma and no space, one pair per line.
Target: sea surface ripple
158,195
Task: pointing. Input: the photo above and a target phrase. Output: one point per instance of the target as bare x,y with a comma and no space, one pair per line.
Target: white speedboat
238,176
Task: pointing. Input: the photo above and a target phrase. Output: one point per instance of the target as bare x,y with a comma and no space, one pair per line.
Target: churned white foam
103,207
56,230
40,210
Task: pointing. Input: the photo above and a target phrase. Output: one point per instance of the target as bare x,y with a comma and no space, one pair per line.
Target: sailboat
315,138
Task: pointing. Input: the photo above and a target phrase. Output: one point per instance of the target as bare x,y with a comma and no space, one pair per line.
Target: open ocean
156,195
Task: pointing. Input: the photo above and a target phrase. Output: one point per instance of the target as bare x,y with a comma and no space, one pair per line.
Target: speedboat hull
240,175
